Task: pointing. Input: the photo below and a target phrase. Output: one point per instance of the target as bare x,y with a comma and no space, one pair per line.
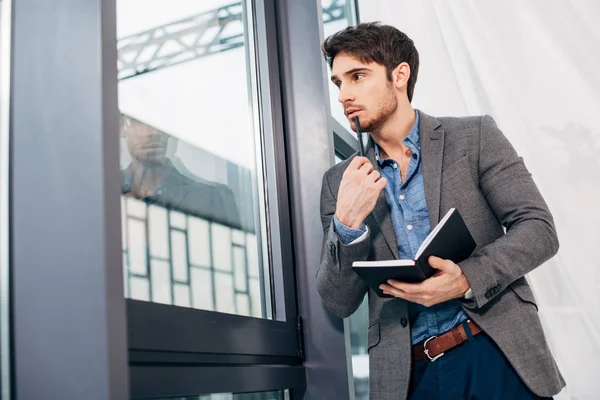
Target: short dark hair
375,42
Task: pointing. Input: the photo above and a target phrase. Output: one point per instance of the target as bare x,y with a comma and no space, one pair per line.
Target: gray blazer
468,164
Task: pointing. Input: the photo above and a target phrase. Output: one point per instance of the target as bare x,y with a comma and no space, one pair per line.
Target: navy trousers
477,369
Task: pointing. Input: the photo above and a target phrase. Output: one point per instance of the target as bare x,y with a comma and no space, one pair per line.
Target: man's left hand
449,283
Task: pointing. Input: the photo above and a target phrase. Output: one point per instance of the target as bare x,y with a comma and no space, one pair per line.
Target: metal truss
198,36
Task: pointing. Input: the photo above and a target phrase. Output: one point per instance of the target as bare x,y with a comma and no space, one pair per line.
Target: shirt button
395,166
403,322
401,197
409,227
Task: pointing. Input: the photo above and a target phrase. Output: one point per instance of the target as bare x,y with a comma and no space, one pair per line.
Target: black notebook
450,240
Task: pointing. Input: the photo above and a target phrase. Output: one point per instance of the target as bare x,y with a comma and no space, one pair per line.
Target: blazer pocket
456,169
524,293
373,336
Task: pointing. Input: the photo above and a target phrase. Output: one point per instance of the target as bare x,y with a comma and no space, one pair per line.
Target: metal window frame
161,337
67,307
280,247
304,151
5,305
344,142
67,302
265,342
178,381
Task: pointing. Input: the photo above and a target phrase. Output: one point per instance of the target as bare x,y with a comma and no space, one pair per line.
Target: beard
386,106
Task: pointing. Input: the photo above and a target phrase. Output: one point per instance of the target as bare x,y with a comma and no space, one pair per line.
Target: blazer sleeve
516,202
340,287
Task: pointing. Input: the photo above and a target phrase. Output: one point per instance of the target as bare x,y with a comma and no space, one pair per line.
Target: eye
337,83
358,77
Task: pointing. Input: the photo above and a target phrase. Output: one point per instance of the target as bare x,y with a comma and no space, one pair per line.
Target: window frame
5,275
69,318
170,336
152,327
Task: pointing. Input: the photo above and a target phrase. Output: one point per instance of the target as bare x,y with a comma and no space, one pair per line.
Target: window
207,259
197,209
193,208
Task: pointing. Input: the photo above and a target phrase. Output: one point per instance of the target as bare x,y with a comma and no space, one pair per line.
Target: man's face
365,91
145,143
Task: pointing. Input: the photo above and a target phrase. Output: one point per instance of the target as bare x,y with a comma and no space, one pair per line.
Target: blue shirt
410,219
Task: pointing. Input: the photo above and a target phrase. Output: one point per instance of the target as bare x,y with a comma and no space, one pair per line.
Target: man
152,177
472,330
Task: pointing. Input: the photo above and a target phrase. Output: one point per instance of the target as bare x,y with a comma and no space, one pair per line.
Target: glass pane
276,395
193,222
337,15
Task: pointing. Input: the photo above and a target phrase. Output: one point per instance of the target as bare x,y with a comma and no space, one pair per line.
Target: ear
400,76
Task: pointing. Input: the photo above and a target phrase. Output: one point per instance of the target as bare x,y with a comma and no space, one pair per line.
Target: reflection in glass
191,169
151,176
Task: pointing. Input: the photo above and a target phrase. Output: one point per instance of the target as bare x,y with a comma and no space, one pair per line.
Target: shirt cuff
349,235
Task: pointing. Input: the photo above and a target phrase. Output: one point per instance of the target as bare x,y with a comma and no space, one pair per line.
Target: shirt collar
412,140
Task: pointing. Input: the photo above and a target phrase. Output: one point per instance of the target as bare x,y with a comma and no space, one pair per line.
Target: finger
387,289
374,175
409,288
441,264
354,166
381,183
358,162
367,167
436,262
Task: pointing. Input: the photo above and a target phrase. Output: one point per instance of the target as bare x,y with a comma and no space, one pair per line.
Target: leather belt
435,347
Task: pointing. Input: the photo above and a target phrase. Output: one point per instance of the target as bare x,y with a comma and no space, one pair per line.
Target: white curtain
535,67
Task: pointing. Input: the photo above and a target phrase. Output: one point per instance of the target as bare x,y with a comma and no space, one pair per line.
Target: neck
147,178
397,127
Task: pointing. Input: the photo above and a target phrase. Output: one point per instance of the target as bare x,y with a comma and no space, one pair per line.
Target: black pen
361,148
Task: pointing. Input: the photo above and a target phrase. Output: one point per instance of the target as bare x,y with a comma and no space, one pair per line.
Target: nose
345,95
153,132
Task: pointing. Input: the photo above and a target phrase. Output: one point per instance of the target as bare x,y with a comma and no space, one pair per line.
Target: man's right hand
359,190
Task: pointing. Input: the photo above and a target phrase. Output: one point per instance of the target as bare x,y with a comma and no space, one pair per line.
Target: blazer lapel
432,151
381,212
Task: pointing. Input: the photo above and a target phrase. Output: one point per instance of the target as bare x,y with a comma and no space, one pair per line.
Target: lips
351,113
155,146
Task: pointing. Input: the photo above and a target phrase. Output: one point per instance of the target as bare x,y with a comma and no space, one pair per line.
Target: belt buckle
426,351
